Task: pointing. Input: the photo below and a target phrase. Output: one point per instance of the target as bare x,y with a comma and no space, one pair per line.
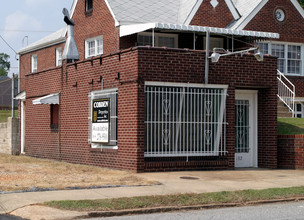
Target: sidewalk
171,183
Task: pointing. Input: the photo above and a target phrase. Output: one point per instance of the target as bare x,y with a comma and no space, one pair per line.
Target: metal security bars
184,120
242,126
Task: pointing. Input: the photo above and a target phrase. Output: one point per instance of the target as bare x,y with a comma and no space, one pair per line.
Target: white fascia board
112,13
73,8
233,10
298,7
242,25
193,12
41,46
108,5
126,30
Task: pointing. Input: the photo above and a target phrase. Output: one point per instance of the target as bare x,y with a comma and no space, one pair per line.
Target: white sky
33,18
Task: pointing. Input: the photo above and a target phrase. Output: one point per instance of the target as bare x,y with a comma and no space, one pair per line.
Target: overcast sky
33,18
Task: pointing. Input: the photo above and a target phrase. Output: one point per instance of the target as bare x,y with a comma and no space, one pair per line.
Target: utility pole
13,88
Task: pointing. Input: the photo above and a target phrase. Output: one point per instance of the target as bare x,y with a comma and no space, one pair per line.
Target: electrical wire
8,44
33,31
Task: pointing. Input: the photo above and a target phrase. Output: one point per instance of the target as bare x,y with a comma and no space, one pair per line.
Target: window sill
105,149
88,12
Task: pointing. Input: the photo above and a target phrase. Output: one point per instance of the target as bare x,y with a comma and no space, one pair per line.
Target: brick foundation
291,151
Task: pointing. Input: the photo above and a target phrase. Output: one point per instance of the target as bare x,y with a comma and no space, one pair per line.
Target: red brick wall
291,151
239,73
212,17
46,59
290,30
98,22
298,82
136,66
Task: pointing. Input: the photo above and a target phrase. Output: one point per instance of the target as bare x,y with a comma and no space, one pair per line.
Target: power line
8,44
10,30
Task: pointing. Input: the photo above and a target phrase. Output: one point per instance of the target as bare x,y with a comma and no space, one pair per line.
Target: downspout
207,56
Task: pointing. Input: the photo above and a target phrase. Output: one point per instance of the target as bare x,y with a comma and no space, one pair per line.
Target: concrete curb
184,208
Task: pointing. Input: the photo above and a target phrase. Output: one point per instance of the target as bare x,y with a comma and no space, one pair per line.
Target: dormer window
88,5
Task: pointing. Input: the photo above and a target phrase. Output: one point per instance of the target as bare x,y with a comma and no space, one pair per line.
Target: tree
301,3
4,64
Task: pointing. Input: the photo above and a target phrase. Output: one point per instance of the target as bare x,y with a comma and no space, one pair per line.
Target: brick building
144,94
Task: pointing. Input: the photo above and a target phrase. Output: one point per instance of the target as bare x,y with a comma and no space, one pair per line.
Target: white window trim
157,35
106,93
58,56
286,54
100,37
296,113
34,60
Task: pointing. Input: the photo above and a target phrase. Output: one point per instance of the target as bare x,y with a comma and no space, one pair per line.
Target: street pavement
20,204
280,211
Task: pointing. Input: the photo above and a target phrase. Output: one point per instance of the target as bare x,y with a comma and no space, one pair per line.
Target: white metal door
246,128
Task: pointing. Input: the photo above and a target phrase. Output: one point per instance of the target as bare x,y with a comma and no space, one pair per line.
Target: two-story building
163,85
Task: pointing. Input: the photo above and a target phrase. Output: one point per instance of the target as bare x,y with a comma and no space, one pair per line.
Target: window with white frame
160,40
34,63
58,56
103,118
94,46
299,110
289,55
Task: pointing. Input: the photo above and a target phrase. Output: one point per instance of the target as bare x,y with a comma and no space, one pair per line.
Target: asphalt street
279,211
9,217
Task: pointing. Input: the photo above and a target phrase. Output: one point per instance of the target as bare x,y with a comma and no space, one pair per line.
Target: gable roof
52,39
249,8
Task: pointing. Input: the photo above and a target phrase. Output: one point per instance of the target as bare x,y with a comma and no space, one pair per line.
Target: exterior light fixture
216,56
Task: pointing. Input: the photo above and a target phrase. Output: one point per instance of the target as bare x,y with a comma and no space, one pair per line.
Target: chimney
70,51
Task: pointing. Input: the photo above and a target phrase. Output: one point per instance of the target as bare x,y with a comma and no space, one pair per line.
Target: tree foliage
301,3
4,64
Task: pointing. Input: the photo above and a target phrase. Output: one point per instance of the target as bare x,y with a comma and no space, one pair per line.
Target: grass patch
4,114
290,126
177,200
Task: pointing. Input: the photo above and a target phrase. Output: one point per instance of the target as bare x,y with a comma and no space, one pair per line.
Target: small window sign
100,120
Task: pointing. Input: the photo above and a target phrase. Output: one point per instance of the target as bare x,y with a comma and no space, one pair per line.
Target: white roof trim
108,5
244,23
21,96
48,99
126,30
112,13
193,12
233,10
73,8
298,7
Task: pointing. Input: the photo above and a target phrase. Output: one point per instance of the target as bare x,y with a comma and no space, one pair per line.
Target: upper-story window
34,63
289,55
160,40
94,46
58,56
88,5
